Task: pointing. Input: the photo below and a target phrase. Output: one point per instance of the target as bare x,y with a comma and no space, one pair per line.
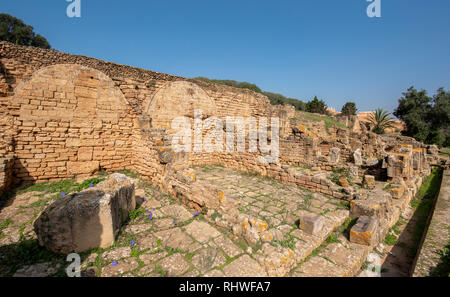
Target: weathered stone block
354,171
86,167
88,219
369,181
357,157
334,155
311,223
364,231
377,204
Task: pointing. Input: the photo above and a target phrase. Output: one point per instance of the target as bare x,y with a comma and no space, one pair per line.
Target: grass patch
288,243
423,203
129,173
329,121
443,267
390,239
63,186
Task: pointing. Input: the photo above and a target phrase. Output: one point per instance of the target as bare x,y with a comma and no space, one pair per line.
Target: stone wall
6,171
65,115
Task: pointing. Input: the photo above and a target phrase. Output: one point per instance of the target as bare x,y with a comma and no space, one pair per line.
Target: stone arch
175,99
69,91
72,120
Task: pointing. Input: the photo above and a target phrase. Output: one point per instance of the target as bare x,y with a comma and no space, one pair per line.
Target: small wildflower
150,218
63,194
174,223
114,263
145,199
132,242
91,185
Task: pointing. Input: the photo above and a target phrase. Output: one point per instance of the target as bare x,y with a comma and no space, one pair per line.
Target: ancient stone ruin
64,115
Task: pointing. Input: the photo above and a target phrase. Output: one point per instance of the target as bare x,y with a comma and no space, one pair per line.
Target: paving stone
273,209
121,267
151,258
227,246
89,260
317,267
117,253
162,224
147,269
151,203
208,258
146,241
137,228
244,266
192,273
37,270
350,260
201,231
214,273
174,265
177,239
177,212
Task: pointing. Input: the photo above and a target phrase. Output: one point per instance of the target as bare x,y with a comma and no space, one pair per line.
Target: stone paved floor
164,238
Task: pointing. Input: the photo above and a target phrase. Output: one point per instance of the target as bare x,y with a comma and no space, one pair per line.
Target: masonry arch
175,99
72,120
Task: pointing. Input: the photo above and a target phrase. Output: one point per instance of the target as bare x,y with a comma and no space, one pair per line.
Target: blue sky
298,48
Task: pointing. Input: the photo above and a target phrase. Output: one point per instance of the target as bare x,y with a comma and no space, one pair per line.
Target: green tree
349,108
414,109
439,119
380,120
316,106
16,31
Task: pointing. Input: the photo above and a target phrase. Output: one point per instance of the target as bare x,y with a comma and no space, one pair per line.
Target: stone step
306,243
338,259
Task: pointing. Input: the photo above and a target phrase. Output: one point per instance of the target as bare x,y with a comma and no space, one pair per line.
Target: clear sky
299,48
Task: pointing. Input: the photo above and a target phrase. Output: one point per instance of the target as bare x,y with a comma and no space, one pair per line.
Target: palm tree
380,120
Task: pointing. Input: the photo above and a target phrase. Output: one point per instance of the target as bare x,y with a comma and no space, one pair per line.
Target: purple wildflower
63,194
114,263
91,185
132,242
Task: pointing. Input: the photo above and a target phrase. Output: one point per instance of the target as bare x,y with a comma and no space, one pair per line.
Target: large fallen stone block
364,231
378,203
311,223
88,219
369,181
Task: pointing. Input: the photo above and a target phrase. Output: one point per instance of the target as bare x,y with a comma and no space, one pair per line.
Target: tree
414,109
316,106
349,108
439,118
380,120
16,31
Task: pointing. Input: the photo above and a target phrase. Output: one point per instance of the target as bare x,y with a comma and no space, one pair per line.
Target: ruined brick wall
65,115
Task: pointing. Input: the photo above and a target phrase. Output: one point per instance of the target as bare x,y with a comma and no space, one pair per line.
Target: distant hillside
273,97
